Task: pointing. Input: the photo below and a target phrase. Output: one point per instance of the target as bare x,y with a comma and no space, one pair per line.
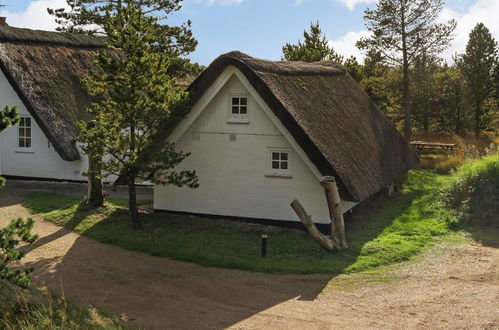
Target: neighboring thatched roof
46,68
330,116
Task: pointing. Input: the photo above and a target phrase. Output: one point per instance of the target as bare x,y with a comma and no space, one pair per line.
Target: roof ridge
288,68
23,35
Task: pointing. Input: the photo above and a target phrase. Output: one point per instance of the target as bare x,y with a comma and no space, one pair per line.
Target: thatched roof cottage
262,133
41,73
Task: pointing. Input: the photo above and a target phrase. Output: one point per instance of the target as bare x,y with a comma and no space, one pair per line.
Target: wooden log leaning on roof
337,239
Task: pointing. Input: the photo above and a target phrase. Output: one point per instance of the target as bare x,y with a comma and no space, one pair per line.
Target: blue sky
261,27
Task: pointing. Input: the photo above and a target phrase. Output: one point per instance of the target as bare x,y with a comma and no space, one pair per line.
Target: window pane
28,122
235,101
21,143
284,156
284,165
275,156
243,101
235,109
21,121
28,143
27,132
21,131
243,110
275,165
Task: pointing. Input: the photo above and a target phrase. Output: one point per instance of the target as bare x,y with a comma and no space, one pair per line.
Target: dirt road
453,286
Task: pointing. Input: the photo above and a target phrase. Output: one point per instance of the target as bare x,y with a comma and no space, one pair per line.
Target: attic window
238,109
279,163
24,133
279,160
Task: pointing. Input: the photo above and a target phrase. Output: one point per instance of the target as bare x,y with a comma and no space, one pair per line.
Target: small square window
280,160
239,107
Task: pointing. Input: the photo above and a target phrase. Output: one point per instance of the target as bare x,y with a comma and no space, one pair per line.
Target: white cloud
350,4
35,16
484,11
345,45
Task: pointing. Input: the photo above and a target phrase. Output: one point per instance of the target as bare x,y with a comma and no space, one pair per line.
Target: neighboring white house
40,74
263,133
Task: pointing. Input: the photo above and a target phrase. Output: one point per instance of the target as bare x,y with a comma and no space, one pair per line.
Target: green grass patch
384,231
471,194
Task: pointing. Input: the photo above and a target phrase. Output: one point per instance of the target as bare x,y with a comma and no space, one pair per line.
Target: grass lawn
385,231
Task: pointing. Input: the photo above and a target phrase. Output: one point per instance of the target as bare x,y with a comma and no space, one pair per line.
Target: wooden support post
324,241
335,212
337,239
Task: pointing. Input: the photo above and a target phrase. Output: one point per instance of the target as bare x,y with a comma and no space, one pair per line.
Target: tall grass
472,192
466,148
36,308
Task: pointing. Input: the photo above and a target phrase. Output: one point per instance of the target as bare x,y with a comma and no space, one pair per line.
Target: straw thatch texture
330,116
45,69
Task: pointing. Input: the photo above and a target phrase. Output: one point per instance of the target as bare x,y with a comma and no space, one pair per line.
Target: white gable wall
43,161
232,174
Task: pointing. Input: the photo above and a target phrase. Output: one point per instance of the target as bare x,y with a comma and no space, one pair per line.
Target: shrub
472,192
15,232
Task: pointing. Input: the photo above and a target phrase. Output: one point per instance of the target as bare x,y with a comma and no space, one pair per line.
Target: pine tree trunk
426,121
407,106
95,196
477,119
132,202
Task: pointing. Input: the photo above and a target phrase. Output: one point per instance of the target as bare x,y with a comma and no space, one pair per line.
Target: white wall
232,174
43,161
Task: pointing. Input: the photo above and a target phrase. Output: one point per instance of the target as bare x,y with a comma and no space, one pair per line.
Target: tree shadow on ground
163,293
486,236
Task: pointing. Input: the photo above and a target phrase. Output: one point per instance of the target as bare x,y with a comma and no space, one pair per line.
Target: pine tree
11,236
314,48
17,230
89,16
479,62
403,30
137,88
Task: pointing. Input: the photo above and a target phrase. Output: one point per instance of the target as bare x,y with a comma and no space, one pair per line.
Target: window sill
237,121
24,151
278,175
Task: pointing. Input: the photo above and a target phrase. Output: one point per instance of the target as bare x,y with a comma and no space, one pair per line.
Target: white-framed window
239,108
279,162
24,133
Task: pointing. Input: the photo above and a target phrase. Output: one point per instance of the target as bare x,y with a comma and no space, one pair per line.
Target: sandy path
455,289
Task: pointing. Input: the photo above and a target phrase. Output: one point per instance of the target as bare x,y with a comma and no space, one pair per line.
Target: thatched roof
330,116
45,69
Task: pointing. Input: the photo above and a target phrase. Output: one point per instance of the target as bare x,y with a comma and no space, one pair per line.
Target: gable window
239,105
24,133
239,109
280,160
279,163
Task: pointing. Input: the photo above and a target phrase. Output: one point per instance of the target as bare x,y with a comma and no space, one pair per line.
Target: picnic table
432,146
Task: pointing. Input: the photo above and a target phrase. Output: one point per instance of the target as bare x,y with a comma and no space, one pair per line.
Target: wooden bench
422,146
